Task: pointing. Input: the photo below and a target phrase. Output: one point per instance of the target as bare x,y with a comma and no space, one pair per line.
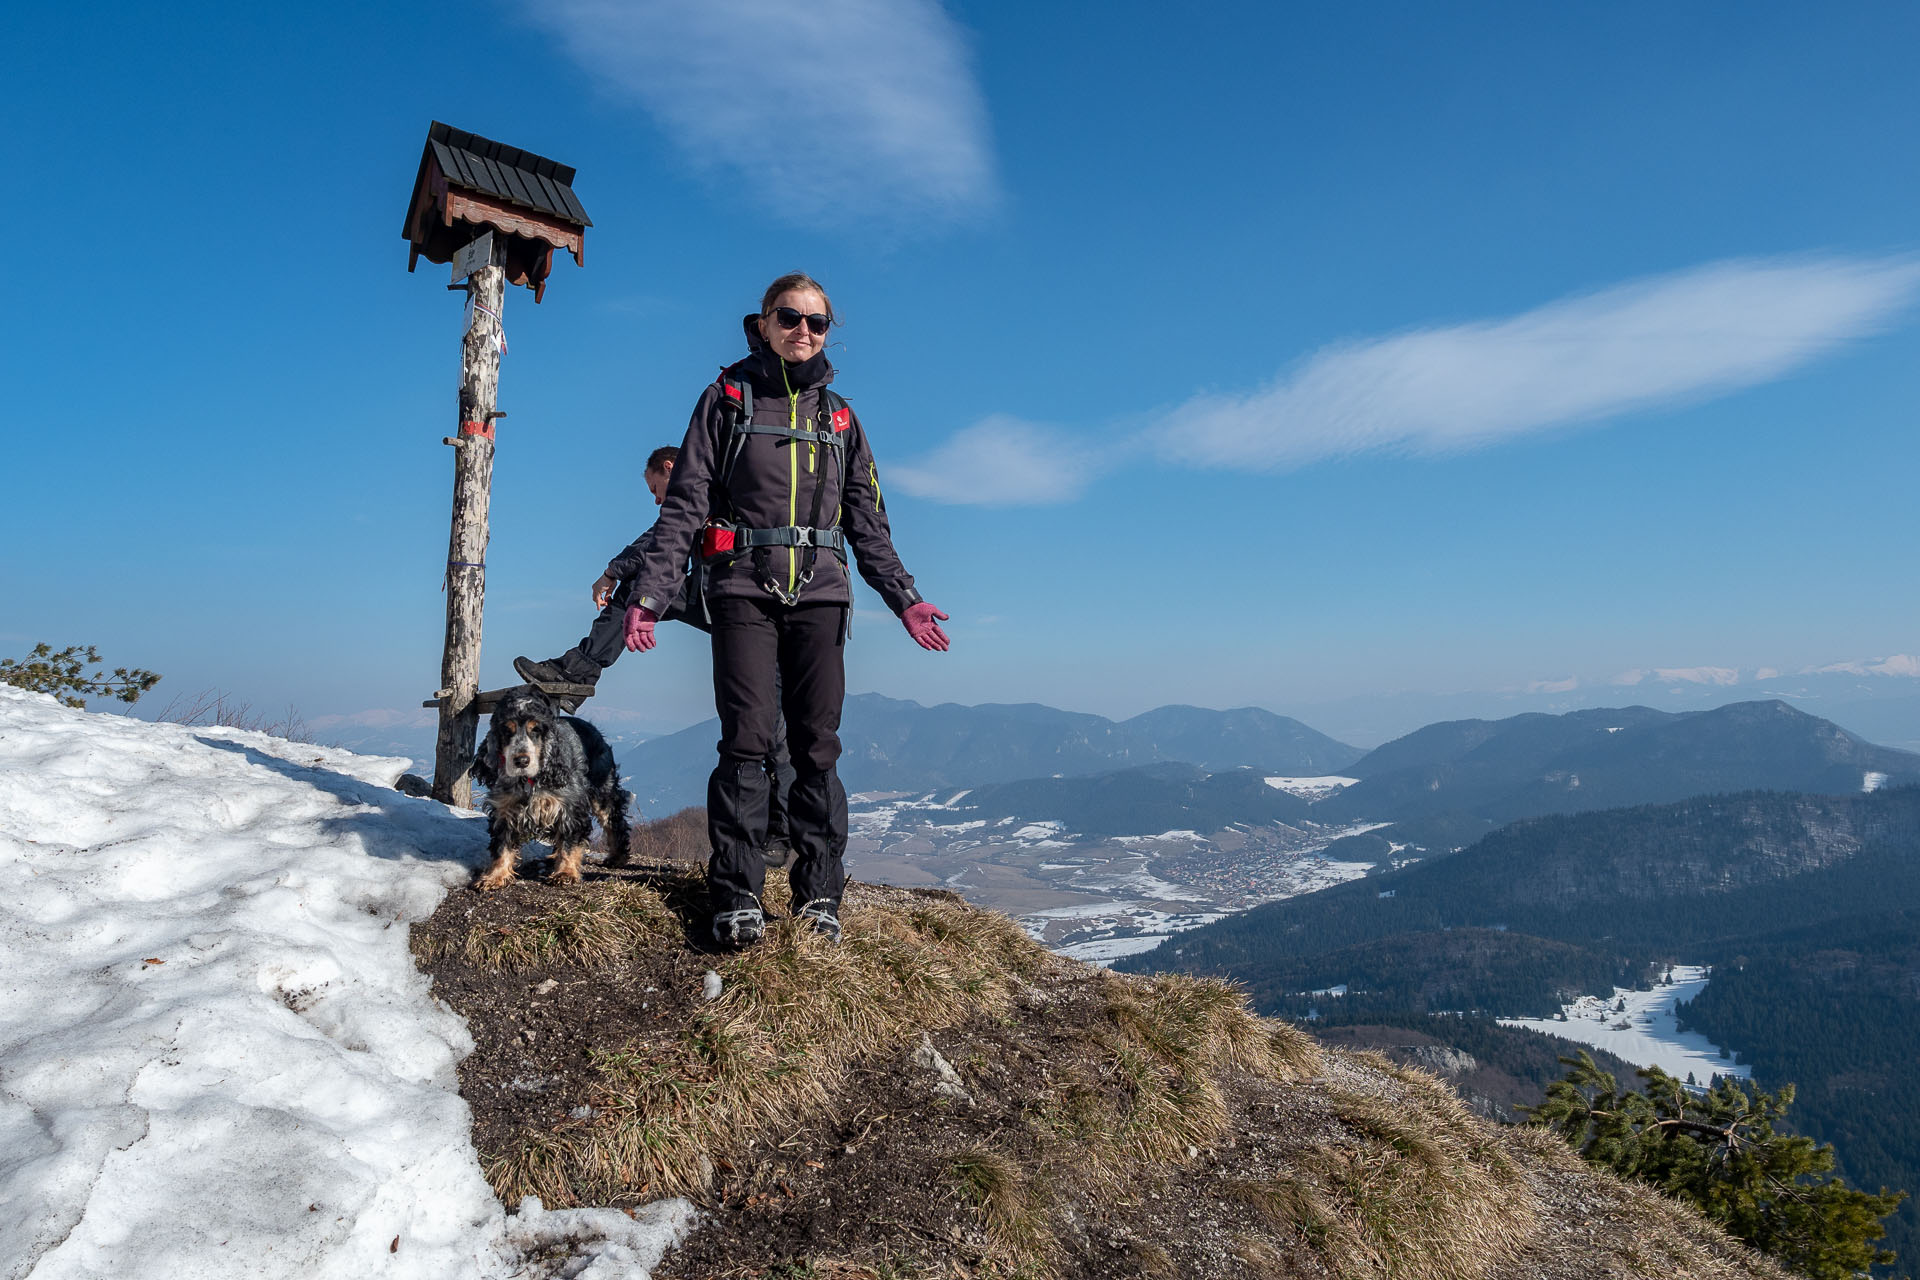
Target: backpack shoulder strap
736,409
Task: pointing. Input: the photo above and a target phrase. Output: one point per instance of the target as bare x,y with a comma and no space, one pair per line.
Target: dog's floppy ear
483,769
559,757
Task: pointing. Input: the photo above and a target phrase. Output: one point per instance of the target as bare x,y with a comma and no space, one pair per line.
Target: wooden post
466,581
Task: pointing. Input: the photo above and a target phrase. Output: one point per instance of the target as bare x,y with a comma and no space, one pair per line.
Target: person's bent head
794,314
660,471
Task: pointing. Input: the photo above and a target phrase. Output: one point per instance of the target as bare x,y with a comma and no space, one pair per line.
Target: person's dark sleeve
627,563
663,561
863,516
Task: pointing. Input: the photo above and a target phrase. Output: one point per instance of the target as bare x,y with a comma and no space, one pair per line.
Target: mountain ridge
896,745
1608,758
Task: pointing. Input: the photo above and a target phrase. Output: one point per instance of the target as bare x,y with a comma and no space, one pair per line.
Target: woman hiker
776,483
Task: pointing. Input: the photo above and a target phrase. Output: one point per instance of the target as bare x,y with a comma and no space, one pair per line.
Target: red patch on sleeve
842,419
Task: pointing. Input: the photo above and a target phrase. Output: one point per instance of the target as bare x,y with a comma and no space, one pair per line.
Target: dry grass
1415,1187
995,1183
795,1012
1642,1231
1157,1092
1261,1260
592,925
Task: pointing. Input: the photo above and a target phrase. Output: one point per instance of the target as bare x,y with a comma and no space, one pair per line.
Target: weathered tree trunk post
497,214
466,580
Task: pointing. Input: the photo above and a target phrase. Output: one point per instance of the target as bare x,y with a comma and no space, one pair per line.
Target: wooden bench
487,699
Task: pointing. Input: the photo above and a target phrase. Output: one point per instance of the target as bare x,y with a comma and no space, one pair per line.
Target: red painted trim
477,429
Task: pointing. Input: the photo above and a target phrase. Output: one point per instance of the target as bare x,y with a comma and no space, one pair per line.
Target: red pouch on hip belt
715,541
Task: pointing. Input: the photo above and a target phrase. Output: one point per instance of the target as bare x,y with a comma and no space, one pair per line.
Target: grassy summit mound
938,1096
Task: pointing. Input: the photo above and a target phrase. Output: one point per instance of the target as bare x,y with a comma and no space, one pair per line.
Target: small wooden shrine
469,185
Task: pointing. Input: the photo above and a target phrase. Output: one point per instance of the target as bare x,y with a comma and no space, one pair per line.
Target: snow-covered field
1641,1027
216,1055
1312,788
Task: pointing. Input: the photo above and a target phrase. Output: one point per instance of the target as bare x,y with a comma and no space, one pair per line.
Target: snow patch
217,1058
1873,781
1311,788
1106,950
1643,1028
605,1244
1182,834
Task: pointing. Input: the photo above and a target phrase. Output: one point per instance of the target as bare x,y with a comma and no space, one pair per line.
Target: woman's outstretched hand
921,620
640,628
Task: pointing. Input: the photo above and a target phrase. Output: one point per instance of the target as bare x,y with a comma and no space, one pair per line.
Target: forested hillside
1647,881
1156,798
1485,971
1835,1009
1610,758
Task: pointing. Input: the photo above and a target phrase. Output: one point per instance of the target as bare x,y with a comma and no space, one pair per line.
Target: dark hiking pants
768,659
606,640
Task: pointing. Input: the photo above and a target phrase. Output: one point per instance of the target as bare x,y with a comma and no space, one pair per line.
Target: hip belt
720,539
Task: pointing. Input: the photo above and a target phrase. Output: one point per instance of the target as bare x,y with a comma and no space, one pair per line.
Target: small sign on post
472,258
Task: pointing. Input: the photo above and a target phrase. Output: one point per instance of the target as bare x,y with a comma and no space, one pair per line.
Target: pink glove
640,628
921,625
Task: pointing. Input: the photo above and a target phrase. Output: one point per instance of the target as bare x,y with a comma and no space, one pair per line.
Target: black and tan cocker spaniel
547,777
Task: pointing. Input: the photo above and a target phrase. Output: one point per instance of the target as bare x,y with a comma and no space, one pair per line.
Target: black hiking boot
824,915
737,929
555,672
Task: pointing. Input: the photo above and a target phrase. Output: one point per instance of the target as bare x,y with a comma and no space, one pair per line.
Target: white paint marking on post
475,256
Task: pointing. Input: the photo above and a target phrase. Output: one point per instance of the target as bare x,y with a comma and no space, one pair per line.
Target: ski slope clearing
1641,1027
216,1055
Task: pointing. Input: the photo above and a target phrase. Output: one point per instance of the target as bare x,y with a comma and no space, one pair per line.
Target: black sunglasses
789,319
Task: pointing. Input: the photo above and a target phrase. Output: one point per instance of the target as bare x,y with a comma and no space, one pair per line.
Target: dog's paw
564,875
497,878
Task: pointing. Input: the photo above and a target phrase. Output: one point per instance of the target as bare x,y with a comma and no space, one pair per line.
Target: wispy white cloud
1665,340
833,108
1004,462
1900,664
1698,675
1648,343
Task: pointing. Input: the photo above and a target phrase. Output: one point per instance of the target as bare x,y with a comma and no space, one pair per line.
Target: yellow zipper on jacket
793,473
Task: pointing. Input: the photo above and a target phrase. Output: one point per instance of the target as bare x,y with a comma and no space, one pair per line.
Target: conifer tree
63,675
1718,1150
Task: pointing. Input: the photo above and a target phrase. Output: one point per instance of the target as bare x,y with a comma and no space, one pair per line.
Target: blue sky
1268,355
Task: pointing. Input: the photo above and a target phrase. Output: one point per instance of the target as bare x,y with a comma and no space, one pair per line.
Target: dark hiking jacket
773,486
627,563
